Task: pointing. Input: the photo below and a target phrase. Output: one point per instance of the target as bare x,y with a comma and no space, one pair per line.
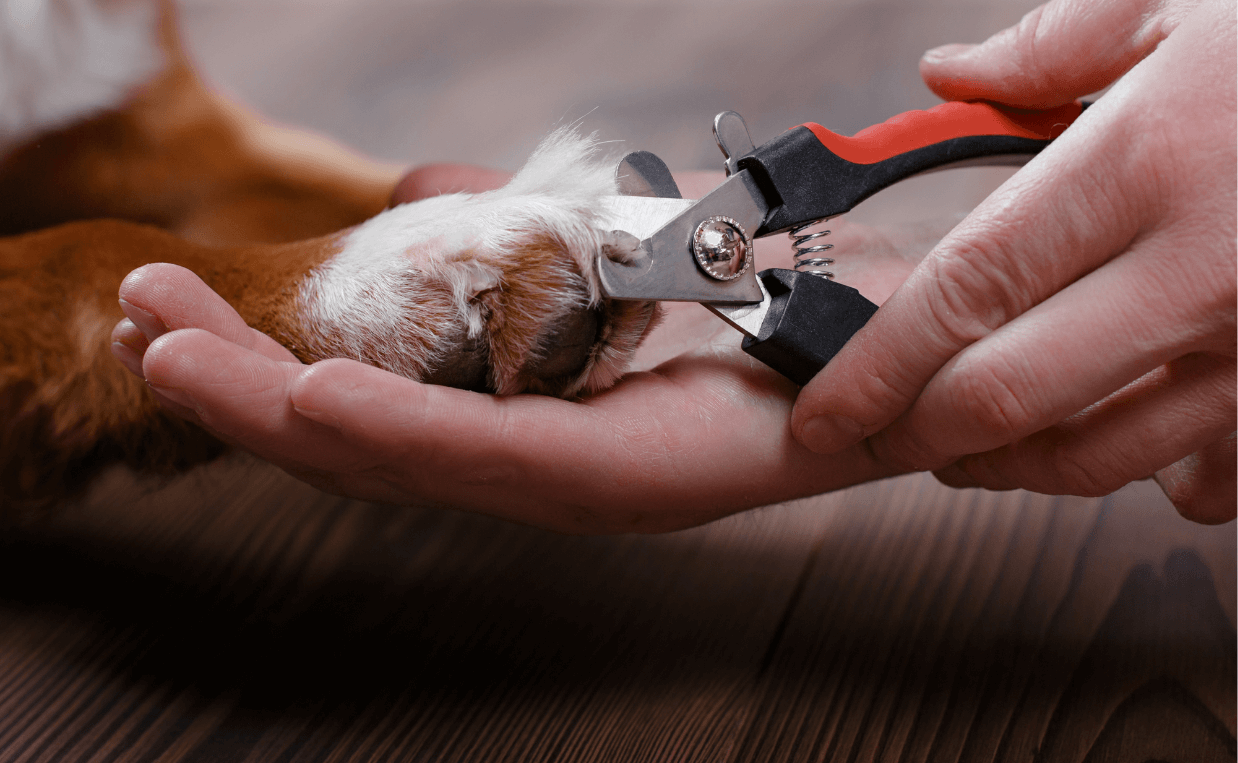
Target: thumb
1060,51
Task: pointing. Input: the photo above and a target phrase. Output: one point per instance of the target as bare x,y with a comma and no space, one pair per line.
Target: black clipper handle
808,322
809,173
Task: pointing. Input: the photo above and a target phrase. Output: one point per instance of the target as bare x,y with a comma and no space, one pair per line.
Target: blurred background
414,81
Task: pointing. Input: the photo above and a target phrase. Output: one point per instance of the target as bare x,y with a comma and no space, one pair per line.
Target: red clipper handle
912,130
808,172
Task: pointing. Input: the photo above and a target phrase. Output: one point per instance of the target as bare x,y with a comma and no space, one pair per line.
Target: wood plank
238,615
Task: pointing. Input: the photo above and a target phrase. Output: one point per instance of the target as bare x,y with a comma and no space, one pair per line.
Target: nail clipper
796,320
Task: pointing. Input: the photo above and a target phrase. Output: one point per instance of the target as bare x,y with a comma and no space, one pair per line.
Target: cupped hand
701,434
1077,331
697,431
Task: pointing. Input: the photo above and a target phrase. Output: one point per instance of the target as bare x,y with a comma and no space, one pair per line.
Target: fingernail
322,417
147,323
128,358
136,342
830,433
175,395
946,52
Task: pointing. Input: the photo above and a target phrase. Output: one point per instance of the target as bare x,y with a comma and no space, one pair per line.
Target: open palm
696,431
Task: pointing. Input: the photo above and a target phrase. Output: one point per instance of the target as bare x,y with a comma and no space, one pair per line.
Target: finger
1202,486
241,396
1104,183
1101,333
161,297
436,179
451,446
1007,256
542,461
1058,52
128,346
614,464
1168,414
566,466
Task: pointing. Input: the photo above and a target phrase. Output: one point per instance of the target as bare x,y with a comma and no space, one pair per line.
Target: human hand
434,179
1077,331
698,430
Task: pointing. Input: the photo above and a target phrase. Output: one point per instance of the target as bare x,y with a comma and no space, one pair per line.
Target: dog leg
495,291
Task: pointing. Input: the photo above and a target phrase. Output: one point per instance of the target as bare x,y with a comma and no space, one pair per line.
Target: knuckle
879,395
990,402
1024,38
1085,474
970,293
1033,38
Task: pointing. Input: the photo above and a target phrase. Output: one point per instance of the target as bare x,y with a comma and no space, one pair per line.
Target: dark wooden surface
240,616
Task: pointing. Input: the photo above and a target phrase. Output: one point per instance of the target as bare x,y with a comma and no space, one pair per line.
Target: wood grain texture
238,615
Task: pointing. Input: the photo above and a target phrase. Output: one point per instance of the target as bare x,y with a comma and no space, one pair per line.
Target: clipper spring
806,259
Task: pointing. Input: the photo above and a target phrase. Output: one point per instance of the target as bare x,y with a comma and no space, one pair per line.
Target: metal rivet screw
722,248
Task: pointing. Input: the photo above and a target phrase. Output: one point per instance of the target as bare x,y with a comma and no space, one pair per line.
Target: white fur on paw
514,267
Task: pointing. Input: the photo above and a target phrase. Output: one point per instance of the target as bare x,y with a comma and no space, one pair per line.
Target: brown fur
179,175
67,406
181,158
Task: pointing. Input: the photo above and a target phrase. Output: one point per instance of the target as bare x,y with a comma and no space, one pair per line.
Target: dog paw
494,291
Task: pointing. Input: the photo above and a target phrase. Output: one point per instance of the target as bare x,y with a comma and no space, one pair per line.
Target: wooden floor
241,616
